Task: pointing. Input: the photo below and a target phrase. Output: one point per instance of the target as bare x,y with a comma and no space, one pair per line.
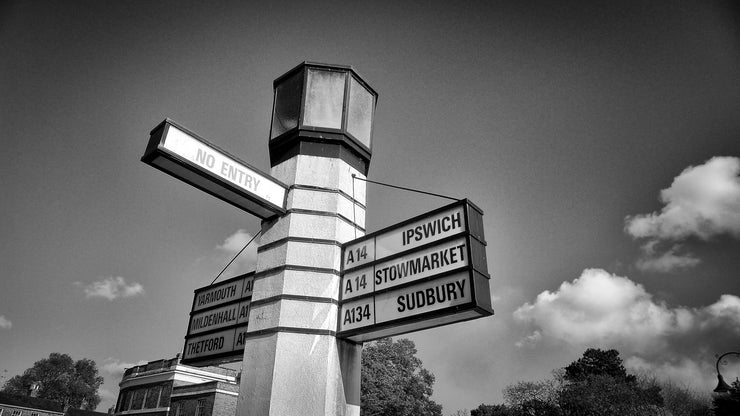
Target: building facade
169,388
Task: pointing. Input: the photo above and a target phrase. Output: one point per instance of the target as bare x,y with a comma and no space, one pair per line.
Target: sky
601,139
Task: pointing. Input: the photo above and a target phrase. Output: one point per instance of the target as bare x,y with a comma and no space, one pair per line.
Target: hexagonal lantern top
323,110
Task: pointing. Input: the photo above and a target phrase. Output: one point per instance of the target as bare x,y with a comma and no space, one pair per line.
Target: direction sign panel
218,322
428,271
183,154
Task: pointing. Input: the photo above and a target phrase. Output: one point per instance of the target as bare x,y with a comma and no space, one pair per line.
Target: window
178,409
125,401
138,400
164,398
152,397
200,407
17,413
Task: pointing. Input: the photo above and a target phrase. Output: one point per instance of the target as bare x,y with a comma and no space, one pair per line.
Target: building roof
31,402
172,370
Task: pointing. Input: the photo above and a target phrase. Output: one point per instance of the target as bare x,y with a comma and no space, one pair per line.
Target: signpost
183,154
427,271
302,353
218,322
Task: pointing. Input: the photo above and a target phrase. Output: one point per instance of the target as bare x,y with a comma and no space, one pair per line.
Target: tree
394,383
73,383
597,362
536,398
680,400
492,410
598,385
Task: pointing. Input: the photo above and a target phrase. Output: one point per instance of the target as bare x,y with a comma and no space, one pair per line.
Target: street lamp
322,110
723,387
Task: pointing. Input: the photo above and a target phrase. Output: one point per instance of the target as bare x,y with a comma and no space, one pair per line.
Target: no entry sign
185,155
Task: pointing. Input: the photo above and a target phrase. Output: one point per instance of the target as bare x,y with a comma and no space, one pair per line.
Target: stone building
169,388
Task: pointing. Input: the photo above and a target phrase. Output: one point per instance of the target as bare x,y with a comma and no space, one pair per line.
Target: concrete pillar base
297,374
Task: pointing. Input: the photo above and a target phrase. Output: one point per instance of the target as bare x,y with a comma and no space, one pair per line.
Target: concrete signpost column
293,362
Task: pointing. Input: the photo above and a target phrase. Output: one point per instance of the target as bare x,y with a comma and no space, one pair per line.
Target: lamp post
322,110
723,387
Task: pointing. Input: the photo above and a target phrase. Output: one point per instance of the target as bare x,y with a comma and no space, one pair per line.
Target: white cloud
726,308
697,375
703,201
116,367
665,262
599,308
111,288
5,322
603,310
247,260
235,242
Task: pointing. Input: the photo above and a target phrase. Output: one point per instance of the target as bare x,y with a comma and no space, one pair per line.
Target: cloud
603,310
703,201
111,288
5,322
234,243
665,262
696,375
599,308
116,367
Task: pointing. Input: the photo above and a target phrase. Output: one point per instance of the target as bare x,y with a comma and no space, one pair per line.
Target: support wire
237,255
403,188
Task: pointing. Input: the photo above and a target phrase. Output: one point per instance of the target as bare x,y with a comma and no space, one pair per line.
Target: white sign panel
406,237
234,172
184,155
418,233
210,344
410,267
357,314
418,265
226,292
220,317
222,343
358,283
426,297
407,302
